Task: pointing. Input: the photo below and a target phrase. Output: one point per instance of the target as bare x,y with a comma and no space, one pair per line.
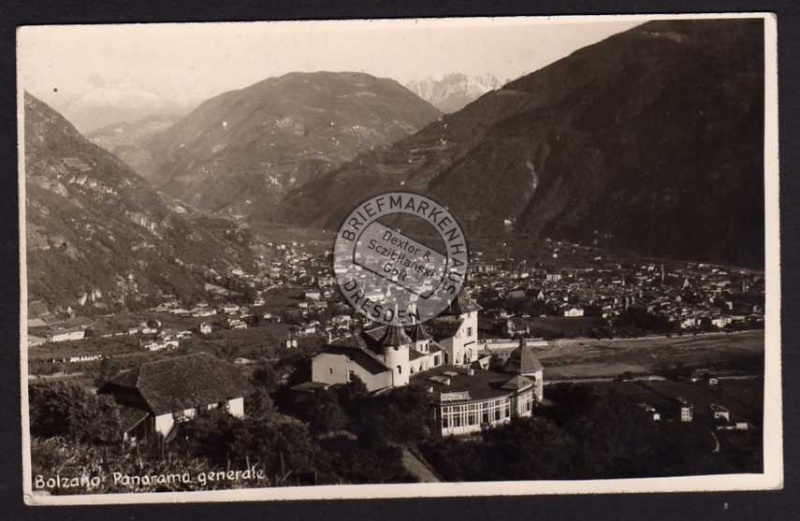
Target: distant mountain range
118,103
130,140
242,151
98,236
651,140
453,91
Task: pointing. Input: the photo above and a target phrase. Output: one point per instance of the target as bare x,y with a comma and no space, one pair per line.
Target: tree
211,435
260,405
356,463
530,448
353,392
64,409
264,376
400,416
108,368
325,414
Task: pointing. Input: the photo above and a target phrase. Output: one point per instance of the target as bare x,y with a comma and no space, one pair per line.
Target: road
418,468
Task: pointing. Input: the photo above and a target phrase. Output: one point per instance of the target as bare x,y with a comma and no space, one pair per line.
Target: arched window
399,369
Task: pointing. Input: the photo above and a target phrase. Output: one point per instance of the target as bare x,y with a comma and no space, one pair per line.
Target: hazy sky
190,62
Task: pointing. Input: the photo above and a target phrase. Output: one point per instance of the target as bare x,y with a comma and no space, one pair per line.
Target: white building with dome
442,357
387,356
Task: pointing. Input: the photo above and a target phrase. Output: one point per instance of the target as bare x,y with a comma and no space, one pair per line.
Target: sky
192,62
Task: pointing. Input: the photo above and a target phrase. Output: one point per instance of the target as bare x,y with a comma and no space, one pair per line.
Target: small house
156,396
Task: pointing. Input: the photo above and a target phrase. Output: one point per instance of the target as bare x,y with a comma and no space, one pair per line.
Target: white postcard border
770,479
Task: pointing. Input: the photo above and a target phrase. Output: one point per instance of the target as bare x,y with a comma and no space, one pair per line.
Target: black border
718,505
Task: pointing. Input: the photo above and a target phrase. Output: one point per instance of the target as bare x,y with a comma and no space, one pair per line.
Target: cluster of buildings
698,399
444,357
690,296
470,388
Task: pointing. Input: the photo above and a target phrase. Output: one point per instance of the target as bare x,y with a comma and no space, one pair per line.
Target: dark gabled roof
360,356
418,333
523,361
356,341
372,336
443,327
181,383
462,304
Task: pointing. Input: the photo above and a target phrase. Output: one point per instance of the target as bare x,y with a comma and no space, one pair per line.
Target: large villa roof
481,385
444,326
359,355
364,346
376,338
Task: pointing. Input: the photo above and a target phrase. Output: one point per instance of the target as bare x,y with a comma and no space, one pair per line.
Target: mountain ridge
241,151
99,237
624,143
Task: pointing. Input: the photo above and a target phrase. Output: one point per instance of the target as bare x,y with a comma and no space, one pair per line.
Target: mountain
453,91
651,140
240,152
115,103
98,236
130,140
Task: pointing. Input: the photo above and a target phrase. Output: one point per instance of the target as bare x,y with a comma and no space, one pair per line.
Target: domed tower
395,344
523,362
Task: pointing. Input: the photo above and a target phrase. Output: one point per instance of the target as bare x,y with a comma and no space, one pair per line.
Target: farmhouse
158,395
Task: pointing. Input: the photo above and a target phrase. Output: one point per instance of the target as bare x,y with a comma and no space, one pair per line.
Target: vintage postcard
399,258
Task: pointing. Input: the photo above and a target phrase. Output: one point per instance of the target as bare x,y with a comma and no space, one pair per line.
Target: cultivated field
738,353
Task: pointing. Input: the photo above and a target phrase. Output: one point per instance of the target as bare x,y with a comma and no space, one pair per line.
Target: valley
185,306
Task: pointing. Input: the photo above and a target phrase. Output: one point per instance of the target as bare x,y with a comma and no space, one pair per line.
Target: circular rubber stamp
400,273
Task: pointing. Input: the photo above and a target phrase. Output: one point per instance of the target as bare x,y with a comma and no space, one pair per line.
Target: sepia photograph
399,258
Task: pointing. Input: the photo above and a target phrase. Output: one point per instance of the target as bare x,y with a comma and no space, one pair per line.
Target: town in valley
188,327
677,345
